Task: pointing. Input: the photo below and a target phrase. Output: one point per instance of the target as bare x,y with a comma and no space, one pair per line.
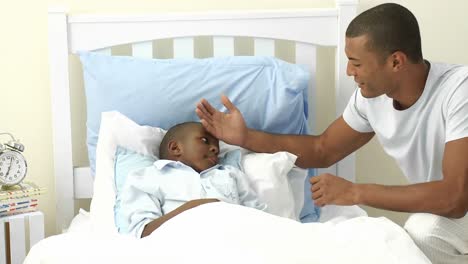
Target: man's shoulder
445,65
448,70
451,81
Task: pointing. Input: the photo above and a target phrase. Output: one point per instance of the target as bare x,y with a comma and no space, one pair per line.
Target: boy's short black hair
174,132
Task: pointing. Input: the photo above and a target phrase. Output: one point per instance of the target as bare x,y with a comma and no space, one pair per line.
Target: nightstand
18,233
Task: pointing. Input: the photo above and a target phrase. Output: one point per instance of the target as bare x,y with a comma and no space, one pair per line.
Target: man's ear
174,148
399,60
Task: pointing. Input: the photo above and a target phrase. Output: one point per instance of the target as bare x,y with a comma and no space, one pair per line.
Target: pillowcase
127,160
267,176
269,92
116,130
305,209
124,162
124,146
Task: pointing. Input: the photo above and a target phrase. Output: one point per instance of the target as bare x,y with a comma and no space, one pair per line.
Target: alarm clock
13,165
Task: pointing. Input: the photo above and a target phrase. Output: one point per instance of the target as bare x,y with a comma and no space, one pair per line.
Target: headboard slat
143,49
223,46
306,54
264,47
184,47
105,51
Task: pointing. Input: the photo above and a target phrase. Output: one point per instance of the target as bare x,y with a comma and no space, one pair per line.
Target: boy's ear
174,148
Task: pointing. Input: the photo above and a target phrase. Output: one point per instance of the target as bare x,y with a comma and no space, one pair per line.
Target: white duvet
226,233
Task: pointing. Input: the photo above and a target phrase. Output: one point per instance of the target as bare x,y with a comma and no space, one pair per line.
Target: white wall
25,93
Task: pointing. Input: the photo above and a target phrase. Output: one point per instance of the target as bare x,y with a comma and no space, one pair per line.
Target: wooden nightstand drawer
18,233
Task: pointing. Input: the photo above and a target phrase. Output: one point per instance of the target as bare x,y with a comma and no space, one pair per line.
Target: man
419,112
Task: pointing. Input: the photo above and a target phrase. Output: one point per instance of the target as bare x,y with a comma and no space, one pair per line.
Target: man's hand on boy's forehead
211,135
208,134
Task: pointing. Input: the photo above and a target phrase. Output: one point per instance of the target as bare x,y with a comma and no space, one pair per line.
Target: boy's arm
138,202
156,223
139,207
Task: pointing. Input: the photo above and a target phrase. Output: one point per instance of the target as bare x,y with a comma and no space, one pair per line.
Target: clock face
12,167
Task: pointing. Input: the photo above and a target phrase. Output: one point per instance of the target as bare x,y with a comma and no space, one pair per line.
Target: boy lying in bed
187,175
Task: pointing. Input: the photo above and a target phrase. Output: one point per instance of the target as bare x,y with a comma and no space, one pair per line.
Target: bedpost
61,117
347,10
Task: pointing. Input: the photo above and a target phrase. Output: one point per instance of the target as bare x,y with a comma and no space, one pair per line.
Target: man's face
199,148
370,71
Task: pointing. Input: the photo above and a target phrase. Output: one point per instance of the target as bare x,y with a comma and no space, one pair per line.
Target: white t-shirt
416,137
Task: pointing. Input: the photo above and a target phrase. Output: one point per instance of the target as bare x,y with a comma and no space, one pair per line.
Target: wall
25,93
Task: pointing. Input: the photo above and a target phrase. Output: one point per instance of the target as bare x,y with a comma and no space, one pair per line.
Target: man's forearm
305,147
432,197
336,142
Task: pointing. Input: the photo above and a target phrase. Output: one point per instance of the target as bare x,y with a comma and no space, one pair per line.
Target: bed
232,234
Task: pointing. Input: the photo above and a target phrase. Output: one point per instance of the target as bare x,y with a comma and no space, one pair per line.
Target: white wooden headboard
308,28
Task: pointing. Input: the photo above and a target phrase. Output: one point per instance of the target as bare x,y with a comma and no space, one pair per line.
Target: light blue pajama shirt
154,191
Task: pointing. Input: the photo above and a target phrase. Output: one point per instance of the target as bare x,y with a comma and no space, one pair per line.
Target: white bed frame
71,33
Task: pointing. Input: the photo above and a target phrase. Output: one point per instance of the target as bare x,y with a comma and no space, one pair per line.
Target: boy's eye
204,139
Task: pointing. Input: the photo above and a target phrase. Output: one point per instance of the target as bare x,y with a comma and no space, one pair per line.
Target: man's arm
447,197
338,141
156,223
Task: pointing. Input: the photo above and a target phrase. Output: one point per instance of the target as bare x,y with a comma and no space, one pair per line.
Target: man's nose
350,70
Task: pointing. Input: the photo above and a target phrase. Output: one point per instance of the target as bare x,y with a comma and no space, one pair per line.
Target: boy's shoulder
228,167
232,159
142,174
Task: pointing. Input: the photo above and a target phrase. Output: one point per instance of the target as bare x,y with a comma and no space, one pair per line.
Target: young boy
187,175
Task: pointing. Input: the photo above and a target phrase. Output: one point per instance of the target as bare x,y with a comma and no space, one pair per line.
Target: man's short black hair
176,133
390,27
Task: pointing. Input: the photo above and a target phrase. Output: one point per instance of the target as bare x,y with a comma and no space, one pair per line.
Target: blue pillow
309,213
271,93
125,161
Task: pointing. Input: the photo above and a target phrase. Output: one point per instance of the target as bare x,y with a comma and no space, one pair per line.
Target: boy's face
199,149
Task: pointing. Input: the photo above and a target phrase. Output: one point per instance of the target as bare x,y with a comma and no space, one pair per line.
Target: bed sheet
226,233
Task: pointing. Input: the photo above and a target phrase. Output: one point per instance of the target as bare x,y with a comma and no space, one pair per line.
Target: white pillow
271,181
256,166
271,175
116,129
